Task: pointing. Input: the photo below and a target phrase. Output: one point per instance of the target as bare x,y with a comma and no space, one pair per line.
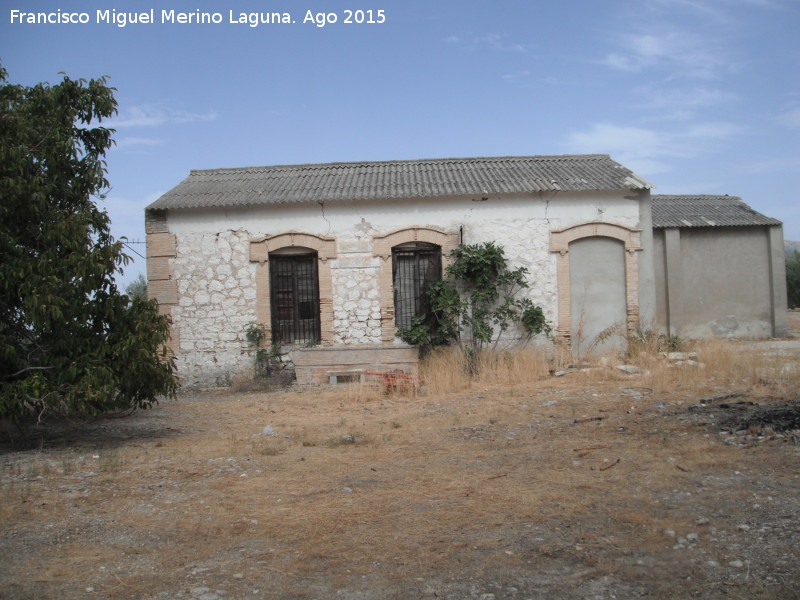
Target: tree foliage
793,278
70,342
477,303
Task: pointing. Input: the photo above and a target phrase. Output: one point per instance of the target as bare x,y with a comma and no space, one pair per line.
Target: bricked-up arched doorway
589,276
597,295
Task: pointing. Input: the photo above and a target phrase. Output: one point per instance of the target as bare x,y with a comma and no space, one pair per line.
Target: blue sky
695,96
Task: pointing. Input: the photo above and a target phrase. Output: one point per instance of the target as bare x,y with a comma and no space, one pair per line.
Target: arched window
414,266
294,296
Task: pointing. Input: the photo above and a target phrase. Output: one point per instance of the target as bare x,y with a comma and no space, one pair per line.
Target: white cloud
790,117
153,115
674,103
790,164
710,133
496,41
126,143
517,75
499,41
696,8
604,137
648,151
620,62
184,117
637,148
681,53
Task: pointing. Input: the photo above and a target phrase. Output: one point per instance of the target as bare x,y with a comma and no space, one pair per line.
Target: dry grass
722,364
555,487
446,371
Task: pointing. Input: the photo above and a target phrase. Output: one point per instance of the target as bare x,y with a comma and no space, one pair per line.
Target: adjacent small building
332,258
720,268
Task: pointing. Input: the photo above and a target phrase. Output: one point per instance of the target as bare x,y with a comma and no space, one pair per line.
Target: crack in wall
322,209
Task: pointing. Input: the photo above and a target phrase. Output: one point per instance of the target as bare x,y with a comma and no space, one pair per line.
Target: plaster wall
598,305
715,282
216,282
345,218
660,275
647,277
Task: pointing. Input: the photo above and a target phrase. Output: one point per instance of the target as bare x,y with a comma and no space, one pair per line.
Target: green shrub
793,279
477,302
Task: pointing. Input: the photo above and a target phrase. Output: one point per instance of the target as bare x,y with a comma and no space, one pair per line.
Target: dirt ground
592,485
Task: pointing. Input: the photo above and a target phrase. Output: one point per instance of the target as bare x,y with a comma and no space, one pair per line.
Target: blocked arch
559,242
382,247
324,246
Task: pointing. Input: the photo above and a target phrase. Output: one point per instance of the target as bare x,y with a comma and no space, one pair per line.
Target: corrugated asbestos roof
705,211
385,180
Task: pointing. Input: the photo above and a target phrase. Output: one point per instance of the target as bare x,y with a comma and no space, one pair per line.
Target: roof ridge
657,196
403,161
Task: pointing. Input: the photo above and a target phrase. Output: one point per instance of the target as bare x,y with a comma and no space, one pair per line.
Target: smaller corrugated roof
390,180
705,211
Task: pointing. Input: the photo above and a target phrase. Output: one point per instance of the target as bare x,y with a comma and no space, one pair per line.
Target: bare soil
581,486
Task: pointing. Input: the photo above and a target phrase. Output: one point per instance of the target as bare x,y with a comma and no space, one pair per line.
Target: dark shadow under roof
385,180
705,211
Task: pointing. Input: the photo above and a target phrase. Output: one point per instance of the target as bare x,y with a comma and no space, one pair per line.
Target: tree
477,303
793,278
137,288
70,342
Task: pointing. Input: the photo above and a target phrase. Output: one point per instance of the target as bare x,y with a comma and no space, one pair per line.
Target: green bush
793,279
267,360
70,341
475,304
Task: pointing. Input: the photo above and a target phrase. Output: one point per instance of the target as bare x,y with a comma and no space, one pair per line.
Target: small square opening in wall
338,377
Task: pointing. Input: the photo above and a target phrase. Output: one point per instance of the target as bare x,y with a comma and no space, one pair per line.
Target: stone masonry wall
216,302
217,295
526,244
356,296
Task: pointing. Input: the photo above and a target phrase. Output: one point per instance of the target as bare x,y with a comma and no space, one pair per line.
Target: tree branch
26,369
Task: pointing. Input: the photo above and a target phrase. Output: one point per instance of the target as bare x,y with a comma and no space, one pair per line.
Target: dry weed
446,371
714,363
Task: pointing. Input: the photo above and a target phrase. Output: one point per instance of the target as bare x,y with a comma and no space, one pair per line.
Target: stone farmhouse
331,258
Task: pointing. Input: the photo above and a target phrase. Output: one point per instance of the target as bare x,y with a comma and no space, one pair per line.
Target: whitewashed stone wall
526,244
356,297
216,302
216,280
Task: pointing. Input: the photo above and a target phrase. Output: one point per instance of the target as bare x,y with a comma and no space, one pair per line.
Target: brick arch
559,242
324,246
382,247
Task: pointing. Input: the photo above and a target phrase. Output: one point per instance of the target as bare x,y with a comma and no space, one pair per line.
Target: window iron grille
294,296
414,266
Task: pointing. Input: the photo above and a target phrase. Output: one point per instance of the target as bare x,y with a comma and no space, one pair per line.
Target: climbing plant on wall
267,360
477,302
